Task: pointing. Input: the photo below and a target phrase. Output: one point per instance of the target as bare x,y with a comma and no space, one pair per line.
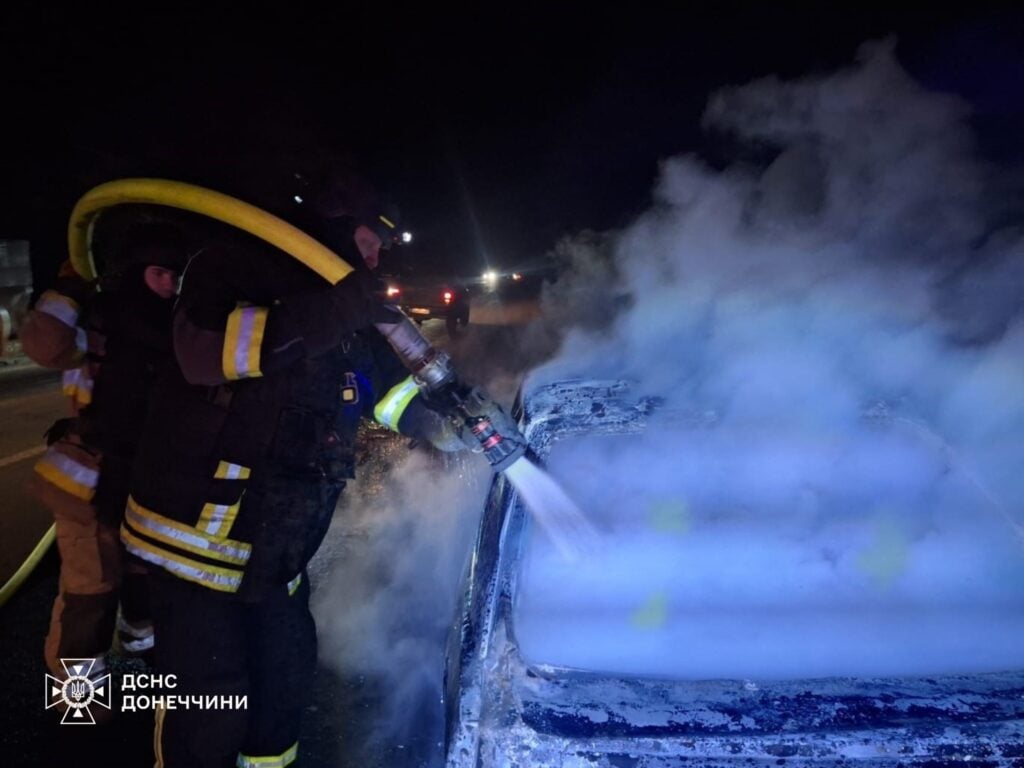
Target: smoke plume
843,306
846,318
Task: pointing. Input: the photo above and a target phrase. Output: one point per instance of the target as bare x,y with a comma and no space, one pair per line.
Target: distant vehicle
511,699
523,279
15,288
425,298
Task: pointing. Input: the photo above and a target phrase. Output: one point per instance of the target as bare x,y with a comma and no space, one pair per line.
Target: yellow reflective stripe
215,517
69,382
391,407
240,358
67,474
83,396
227,361
387,222
182,536
228,471
58,306
253,326
77,383
293,585
286,758
221,579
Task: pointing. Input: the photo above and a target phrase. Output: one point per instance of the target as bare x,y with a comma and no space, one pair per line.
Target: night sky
495,132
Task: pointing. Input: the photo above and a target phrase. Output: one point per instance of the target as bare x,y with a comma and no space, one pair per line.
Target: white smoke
400,540
857,280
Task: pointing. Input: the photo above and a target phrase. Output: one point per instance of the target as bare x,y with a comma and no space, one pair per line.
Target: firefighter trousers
219,646
87,503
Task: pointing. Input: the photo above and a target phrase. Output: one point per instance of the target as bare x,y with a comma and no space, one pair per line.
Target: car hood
601,721
503,711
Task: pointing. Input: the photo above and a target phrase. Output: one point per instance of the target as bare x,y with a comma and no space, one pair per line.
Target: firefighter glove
447,435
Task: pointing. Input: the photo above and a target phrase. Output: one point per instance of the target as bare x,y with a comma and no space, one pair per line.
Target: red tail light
447,295
393,291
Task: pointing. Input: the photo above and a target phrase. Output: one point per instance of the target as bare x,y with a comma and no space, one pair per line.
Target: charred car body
506,705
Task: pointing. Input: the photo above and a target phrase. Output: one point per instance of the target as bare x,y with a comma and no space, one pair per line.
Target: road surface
30,401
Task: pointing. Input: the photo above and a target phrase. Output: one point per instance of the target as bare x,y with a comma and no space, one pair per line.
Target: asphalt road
344,708
30,401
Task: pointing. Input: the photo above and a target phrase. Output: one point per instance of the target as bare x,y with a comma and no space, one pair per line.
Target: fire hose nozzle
432,370
431,367
501,451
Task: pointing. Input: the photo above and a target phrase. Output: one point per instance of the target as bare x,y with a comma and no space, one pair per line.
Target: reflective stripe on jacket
185,551
251,435
70,467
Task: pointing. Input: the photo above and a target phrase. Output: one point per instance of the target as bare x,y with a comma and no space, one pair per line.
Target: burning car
739,612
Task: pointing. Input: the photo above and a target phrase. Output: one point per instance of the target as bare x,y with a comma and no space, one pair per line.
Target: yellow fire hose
187,197
28,566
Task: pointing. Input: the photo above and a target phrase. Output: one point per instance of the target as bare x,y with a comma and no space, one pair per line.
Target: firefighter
245,453
109,338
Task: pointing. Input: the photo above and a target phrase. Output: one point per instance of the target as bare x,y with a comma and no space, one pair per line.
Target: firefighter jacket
53,336
247,445
110,344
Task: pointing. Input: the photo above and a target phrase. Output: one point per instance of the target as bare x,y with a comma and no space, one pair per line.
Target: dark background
495,131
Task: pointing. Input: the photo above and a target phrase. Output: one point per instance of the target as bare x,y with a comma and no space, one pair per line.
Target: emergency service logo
78,692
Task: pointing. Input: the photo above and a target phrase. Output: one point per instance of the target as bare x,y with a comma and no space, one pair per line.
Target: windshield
742,554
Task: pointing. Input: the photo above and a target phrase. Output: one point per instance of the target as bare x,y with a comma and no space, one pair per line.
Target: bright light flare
393,290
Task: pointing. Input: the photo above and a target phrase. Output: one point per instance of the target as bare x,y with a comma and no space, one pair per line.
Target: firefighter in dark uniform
110,338
246,451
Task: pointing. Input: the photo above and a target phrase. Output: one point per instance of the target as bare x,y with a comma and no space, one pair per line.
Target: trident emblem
78,691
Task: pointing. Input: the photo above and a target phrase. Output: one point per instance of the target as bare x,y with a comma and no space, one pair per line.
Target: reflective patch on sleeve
391,407
67,474
293,585
228,471
58,306
77,384
242,342
69,381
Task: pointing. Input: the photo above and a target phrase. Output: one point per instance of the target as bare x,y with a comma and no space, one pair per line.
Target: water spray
956,461
501,442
